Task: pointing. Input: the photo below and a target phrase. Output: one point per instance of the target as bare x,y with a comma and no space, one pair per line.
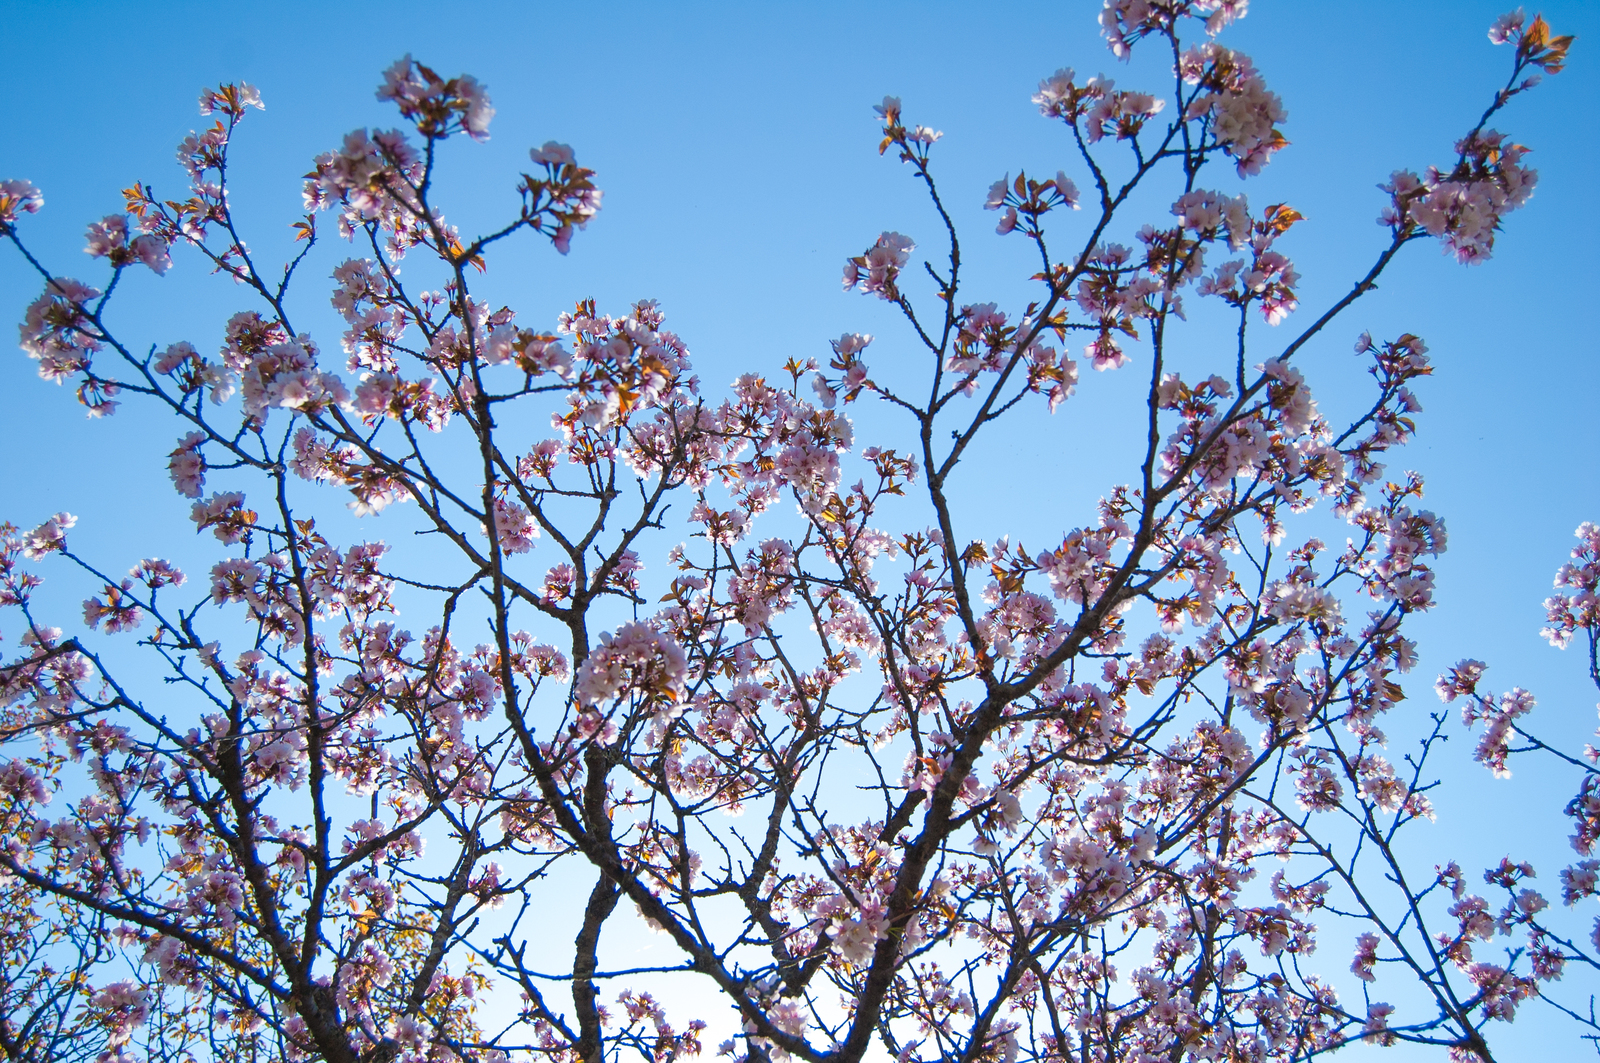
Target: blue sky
736,146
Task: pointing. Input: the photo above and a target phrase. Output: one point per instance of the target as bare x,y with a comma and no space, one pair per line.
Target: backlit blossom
435,104
18,197
636,657
875,271
514,527
1241,112
187,466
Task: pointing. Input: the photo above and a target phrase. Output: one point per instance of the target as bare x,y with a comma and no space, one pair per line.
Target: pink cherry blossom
18,197
875,271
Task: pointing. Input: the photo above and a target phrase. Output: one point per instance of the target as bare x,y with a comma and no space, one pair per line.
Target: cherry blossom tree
881,785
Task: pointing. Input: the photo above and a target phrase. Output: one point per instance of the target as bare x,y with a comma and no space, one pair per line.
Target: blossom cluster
1240,112
1577,606
1462,207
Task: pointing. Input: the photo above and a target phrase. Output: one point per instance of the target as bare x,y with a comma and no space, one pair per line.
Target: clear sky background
737,149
